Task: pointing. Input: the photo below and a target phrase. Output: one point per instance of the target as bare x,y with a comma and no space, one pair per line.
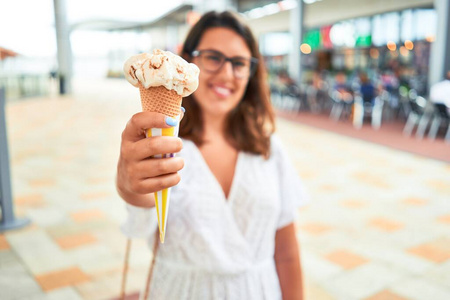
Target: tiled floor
377,226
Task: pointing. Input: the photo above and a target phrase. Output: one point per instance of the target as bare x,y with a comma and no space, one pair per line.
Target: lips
221,91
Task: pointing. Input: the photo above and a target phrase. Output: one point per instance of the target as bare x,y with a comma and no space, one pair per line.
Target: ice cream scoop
162,68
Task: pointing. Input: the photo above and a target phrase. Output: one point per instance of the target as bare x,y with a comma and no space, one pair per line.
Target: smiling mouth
221,91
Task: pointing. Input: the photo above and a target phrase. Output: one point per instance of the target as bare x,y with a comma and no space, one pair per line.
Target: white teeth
222,91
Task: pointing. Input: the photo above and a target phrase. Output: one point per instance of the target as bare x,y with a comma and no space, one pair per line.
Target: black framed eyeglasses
212,61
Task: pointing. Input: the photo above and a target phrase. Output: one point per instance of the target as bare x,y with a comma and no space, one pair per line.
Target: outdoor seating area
419,116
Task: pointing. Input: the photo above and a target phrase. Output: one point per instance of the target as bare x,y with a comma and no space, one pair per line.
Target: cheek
202,85
241,87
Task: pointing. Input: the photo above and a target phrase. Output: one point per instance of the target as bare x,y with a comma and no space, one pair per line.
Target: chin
218,110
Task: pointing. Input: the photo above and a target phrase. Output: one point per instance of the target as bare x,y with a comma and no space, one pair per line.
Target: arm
287,260
138,174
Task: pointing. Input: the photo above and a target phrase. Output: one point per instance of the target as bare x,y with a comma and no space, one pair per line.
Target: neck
213,127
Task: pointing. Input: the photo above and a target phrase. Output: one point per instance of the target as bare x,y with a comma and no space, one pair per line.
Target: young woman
230,231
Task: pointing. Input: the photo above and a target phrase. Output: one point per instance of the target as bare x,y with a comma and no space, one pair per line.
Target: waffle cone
161,100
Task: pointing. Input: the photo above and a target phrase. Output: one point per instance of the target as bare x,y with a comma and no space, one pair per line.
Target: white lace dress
218,248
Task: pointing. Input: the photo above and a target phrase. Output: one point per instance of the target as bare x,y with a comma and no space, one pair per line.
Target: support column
8,220
63,46
172,37
296,29
440,49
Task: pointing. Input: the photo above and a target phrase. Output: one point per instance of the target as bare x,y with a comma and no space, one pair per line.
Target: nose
227,70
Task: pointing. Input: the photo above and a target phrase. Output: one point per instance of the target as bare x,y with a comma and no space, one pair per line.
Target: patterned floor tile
98,180
353,204
67,293
87,215
92,196
365,281
437,251
419,288
4,245
346,259
77,240
16,282
33,200
313,291
317,268
385,224
386,295
62,278
42,182
45,216
38,251
372,180
108,286
96,258
329,188
315,228
445,219
415,201
439,185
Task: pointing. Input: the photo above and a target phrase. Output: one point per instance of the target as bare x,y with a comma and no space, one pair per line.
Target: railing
25,85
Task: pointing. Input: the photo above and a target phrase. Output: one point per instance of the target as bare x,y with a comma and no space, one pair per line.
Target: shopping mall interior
354,85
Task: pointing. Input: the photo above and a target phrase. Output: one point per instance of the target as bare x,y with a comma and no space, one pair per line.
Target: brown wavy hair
251,123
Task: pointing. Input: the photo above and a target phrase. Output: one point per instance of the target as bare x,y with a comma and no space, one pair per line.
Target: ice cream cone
163,78
168,102
161,100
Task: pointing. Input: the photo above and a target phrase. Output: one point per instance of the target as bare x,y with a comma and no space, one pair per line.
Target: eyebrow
218,51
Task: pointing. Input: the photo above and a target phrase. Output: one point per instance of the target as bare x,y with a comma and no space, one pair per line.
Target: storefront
395,42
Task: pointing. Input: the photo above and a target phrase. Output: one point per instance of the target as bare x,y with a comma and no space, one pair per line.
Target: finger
159,166
156,184
182,113
137,125
151,146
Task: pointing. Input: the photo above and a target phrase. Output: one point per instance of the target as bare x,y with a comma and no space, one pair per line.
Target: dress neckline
234,181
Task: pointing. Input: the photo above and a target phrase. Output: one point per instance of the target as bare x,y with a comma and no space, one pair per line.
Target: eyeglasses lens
212,61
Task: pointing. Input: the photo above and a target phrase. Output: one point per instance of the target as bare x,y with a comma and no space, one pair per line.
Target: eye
240,63
213,58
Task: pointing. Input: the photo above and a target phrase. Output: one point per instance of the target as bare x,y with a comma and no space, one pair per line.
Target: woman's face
219,92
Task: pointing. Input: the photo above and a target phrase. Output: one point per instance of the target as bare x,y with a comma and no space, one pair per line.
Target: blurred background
354,86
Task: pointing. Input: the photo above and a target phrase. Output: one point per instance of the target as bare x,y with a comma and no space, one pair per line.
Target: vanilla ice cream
162,68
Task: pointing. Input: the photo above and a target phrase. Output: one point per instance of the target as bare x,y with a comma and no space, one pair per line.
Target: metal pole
8,220
296,28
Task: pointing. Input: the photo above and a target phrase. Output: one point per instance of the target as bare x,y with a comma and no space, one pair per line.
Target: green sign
363,41
313,39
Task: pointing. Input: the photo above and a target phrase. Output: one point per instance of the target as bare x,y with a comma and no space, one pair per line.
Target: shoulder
276,146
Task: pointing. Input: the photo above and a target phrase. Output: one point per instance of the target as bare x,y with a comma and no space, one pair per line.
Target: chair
298,98
404,106
368,108
342,102
440,115
311,98
417,104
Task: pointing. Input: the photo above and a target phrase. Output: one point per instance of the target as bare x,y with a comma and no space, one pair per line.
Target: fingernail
182,109
171,121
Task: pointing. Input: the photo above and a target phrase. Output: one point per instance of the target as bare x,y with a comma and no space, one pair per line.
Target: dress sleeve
292,192
140,222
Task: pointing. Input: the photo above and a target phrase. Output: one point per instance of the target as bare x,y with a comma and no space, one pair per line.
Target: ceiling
246,5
